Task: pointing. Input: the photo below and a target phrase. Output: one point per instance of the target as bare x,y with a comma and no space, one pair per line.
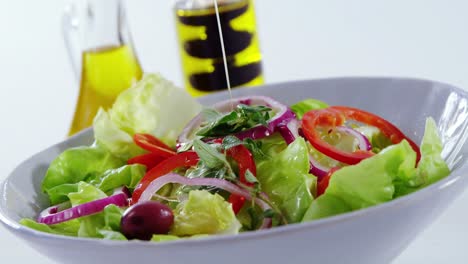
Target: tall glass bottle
200,45
100,48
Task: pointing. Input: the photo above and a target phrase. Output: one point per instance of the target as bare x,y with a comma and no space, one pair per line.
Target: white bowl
373,235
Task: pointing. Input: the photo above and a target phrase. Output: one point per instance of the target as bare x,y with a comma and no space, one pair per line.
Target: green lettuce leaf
110,136
78,164
153,105
204,213
69,228
164,238
86,193
371,181
111,235
128,175
368,183
112,217
109,228
383,177
326,205
89,225
304,106
286,180
105,224
431,167
59,194
271,146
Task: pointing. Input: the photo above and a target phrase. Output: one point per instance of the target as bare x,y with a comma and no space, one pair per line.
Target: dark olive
143,220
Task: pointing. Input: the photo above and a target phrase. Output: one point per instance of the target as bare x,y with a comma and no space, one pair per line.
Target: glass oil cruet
200,44
102,55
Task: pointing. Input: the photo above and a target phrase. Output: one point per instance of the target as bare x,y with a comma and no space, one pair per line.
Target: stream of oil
226,70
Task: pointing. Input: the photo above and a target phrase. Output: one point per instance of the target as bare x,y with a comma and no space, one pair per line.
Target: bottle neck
201,4
104,25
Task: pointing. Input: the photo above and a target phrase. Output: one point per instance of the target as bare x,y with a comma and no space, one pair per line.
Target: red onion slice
318,169
363,141
289,131
283,115
218,183
54,214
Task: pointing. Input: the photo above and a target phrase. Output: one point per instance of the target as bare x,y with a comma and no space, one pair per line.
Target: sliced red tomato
336,116
154,145
184,159
150,160
245,161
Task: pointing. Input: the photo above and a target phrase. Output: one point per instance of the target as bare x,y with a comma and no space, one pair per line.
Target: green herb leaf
250,177
269,213
212,163
209,155
211,115
255,147
243,117
254,218
258,114
230,142
185,147
203,171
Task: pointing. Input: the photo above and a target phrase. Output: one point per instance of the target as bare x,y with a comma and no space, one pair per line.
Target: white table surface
300,39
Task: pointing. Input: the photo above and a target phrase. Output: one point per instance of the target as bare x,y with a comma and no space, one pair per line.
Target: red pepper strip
388,129
152,144
323,184
184,159
245,161
237,202
329,117
150,160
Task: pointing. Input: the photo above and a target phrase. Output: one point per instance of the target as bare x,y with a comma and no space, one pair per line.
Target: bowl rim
455,177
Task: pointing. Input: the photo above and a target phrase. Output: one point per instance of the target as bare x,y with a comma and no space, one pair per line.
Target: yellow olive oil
105,73
200,47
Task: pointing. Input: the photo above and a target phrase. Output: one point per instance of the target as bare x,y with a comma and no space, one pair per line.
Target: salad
164,168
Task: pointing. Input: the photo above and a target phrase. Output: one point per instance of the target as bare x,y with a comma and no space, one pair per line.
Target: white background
300,39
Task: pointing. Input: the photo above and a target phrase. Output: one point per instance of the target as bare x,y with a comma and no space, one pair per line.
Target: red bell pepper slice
245,161
154,145
184,159
336,116
323,184
388,129
150,160
237,202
